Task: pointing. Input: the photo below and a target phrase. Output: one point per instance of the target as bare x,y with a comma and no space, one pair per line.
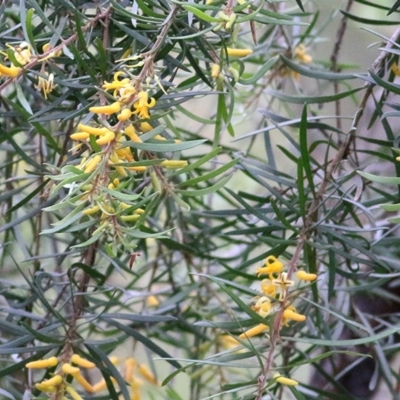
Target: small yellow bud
293,315
139,211
54,381
106,138
152,301
92,210
398,158
82,362
47,389
305,276
145,127
215,70
70,370
124,115
159,137
11,72
285,381
106,110
222,16
130,218
79,136
92,130
173,164
238,52
254,331
49,362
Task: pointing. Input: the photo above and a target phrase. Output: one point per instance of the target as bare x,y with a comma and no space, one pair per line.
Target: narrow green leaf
200,14
202,192
305,155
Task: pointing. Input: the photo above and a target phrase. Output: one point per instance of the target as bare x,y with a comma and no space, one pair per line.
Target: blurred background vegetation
154,155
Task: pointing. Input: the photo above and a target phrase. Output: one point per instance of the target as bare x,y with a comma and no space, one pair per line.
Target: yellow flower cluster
60,382
276,284
22,55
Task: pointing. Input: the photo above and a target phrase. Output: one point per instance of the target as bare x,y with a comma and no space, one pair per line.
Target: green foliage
153,154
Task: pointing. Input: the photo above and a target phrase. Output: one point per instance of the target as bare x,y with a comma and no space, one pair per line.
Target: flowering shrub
153,153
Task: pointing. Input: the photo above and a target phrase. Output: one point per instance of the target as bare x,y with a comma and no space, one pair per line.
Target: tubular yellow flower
143,104
106,138
144,370
106,110
130,365
131,133
285,381
215,70
82,362
228,342
272,266
254,331
83,382
98,387
173,164
46,47
47,389
47,363
92,164
305,276
73,393
290,313
11,72
92,130
80,136
69,369
54,381
238,52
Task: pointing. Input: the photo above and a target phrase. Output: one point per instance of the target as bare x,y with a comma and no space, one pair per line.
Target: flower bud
106,110
285,381
49,362
106,138
11,72
238,52
82,362
305,276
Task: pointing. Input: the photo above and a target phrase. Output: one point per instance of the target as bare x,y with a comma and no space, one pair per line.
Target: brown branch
334,61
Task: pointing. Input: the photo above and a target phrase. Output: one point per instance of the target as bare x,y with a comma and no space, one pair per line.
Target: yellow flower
300,53
116,83
238,52
290,313
263,306
215,70
46,85
254,331
46,363
142,105
11,72
285,381
284,283
22,53
272,265
305,276
268,288
106,110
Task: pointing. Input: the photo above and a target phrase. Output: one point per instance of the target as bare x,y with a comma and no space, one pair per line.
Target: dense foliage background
154,155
